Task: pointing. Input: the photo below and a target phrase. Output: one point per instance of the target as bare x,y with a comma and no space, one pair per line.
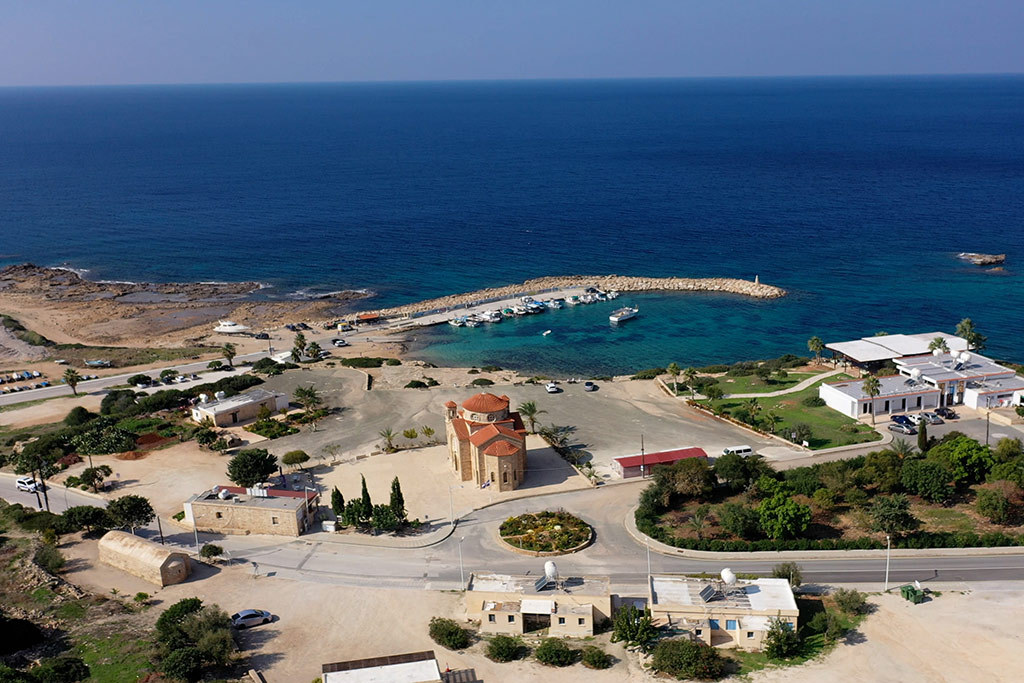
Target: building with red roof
628,466
486,441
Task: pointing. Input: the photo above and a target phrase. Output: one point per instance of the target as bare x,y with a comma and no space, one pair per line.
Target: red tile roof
501,448
451,404
662,458
461,428
482,436
485,403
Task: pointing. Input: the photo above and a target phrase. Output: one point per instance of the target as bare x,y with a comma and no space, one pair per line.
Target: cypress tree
922,436
397,500
367,504
337,502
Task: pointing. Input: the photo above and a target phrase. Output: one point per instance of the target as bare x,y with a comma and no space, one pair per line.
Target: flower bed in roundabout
546,533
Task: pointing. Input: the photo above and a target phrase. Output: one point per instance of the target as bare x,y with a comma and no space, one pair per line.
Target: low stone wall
621,283
548,553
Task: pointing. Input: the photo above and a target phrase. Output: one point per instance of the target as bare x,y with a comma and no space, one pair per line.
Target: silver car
251,617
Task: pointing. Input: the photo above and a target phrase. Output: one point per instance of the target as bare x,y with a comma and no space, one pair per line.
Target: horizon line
546,79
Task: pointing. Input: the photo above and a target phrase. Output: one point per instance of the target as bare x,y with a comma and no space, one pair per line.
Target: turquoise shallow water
852,193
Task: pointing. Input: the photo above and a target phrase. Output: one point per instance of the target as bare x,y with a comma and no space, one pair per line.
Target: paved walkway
792,390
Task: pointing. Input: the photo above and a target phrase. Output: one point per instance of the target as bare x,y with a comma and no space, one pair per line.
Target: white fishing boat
230,327
556,303
613,295
473,322
573,300
623,314
545,333
457,322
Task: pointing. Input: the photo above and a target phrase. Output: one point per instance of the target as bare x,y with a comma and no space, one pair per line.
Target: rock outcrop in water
982,259
621,283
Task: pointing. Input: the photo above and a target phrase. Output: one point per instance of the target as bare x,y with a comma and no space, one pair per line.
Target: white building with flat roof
868,351
415,667
226,411
927,382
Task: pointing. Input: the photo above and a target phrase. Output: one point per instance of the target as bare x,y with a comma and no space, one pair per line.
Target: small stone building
237,510
486,441
227,411
514,605
150,561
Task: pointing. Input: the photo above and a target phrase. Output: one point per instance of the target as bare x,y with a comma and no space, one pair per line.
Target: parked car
551,388
339,342
27,484
589,386
946,412
290,327
251,617
932,418
901,428
917,418
194,376
902,420
262,335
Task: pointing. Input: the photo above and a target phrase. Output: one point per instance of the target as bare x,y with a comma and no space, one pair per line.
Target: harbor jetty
553,284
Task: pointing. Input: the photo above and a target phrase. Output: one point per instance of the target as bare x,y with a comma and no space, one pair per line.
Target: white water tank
550,571
219,395
203,398
728,577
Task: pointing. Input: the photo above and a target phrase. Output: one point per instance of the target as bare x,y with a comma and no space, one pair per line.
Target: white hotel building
928,381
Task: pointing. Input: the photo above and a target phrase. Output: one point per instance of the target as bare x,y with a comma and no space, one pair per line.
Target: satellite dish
728,577
915,374
550,571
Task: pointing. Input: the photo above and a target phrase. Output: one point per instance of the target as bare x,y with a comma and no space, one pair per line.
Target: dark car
901,428
946,413
902,420
263,335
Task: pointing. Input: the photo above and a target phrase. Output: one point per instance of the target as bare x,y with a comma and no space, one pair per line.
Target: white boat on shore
623,314
230,327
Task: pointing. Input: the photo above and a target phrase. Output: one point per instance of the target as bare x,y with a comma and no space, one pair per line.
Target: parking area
970,422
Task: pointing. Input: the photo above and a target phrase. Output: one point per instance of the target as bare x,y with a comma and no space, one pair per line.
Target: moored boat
623,314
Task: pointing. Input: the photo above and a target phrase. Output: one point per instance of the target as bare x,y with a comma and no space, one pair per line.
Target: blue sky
57,42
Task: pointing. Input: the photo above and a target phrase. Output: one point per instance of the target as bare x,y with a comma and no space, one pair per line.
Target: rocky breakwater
621,283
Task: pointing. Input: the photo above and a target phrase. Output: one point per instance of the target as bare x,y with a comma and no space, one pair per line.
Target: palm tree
754,407
72,378
872,388
902,448
938,343
309,398
314,351
816,346
699,520
229,351
975,340
690,377
529,410
673,371
771,421
389,438
298,347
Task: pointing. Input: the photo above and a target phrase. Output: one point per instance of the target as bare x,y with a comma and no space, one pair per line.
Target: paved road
94,385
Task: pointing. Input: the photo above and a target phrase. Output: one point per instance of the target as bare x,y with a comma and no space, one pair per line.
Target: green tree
185,664
529,410
210,551
353,515
251,466
824,499
790,571
713,392
939,343
732,469
447,633
384,519
816,346
87,517
62,669
690,378
871,388
72,379
397,502
686,659
1006,450
850,600
700,519
337,503
502,648
673,370
783,517
922,436
975,340
634,627
298,347
967,460
389,439
168,372
169,631
78,416
691,477
883,469
314,351
554,652
215,365
781,640
927,479
891,515
295,458
994,504
94,476
740,520
131,511
902,448
771,421
803,432
229,351
310,400
364,496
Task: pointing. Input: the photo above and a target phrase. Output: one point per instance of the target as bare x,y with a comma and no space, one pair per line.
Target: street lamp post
462,570
647,541
888,547
451,507
988,412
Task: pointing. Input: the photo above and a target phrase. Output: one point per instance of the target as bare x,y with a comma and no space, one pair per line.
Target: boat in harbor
508,313
613,295
623,314
457,322
573,300
556,303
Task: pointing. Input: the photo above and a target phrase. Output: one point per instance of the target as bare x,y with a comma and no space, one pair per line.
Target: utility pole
451,507
160,529
462,570
643,463
647,541
988,412
888,547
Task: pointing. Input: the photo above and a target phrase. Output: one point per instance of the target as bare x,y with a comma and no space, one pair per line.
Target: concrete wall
838,401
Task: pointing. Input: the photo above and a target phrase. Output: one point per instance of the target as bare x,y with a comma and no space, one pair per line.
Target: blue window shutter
714,624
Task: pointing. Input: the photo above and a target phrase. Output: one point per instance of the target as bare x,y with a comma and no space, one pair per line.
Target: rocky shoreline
621,283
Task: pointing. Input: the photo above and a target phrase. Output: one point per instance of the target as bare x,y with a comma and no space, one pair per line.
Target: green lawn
944,519
753,384
826,424
117,657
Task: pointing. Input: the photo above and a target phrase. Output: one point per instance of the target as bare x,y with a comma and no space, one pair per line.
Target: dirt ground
954,638
52,410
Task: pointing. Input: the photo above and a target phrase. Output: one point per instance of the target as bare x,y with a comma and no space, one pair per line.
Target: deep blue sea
852,193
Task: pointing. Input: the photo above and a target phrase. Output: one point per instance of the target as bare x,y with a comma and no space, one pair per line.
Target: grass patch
116,657
752,384
829,428
141,425
43,595
937,518
70,611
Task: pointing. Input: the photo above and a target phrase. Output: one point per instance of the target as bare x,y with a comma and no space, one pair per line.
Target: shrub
447,633
596,658
993,504
650,373
78,416
554,652
850,600
504,648
184,664
685,659
634,627
117,402
141,598
62,669
827,624
781,640
295,458
788,570
49,558
368,362
210,551
482,382
813,401
416,384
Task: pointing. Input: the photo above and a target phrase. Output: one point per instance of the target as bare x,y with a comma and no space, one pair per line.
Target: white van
738,450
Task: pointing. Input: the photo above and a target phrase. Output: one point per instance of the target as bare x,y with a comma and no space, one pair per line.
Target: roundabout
546,533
